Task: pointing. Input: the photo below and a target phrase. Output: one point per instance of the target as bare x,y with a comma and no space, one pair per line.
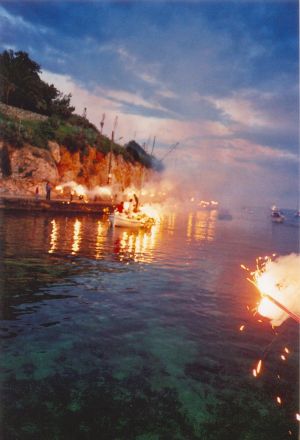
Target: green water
119,334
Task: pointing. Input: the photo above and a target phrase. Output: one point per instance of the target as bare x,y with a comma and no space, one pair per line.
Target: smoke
104,192
280,279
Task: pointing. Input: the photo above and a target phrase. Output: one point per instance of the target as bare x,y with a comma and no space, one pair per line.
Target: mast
111,148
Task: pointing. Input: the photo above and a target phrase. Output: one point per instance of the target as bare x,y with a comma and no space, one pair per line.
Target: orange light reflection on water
201,225
53,237
137,245
76,237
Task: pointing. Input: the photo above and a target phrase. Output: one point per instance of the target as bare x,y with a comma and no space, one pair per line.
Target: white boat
277,217
120,219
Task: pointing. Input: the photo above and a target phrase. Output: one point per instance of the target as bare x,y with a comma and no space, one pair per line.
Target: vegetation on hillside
22,87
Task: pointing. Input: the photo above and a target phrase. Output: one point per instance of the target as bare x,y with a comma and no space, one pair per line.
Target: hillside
35,148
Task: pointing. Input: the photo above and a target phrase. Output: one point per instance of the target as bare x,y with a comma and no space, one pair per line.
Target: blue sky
219,77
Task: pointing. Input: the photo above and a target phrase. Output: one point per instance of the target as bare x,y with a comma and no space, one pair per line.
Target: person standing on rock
48,191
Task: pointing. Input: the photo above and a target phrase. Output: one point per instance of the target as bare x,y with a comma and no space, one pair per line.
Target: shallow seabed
120,334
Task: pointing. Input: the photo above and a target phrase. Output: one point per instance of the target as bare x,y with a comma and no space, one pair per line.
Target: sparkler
278,284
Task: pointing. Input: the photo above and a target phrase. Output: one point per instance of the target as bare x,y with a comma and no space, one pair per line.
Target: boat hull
123,221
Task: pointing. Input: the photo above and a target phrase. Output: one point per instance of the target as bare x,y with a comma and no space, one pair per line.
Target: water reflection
53,236
201,226
100,240
76,237
135,245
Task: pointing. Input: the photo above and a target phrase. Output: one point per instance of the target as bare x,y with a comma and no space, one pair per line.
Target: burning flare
278,281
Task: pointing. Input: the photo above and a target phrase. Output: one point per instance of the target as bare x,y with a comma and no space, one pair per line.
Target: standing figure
48,190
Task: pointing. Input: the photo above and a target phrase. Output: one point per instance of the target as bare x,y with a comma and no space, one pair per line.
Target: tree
21,86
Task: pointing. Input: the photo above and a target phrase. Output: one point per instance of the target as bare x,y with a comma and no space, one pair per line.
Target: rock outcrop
22,169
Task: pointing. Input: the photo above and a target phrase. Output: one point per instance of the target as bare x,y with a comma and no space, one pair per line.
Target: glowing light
256,371
189,226
278,284
286,350
298,417
54,235
76,237
242,328
278,400
283,357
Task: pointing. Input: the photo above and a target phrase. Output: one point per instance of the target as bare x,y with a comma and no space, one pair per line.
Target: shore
58,205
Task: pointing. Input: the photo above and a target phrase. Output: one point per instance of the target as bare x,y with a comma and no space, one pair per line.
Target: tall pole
111,148
102,123
153,145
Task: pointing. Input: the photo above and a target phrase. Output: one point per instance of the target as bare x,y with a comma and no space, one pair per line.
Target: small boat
277,217
120,219
224,214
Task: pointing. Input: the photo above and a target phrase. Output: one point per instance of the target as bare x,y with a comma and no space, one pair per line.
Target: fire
83,192
151,211
278,283
256,371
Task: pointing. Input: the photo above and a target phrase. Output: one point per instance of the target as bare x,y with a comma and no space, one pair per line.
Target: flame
286,350
298,417
242,328
283,357
278,400
277,282
83,191
151,211
256,371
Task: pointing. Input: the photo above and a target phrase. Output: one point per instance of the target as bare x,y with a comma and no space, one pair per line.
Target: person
37,193
48,191
136,205
120,207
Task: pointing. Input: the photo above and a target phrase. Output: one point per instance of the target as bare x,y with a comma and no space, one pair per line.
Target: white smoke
280,279
81,190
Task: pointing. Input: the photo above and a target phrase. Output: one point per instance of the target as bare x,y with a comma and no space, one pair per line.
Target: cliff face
25,168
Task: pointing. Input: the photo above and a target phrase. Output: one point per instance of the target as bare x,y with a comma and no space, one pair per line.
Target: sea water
130,334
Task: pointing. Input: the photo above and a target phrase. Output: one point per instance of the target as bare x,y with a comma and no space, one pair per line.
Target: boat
276,216
224,214
138,220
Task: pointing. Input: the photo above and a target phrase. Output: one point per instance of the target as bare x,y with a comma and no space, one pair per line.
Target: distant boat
224,214
276,216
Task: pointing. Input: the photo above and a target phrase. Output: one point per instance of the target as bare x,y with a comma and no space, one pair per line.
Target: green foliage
12,133
21,86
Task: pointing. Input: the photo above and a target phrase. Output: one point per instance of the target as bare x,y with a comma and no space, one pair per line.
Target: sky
218,77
